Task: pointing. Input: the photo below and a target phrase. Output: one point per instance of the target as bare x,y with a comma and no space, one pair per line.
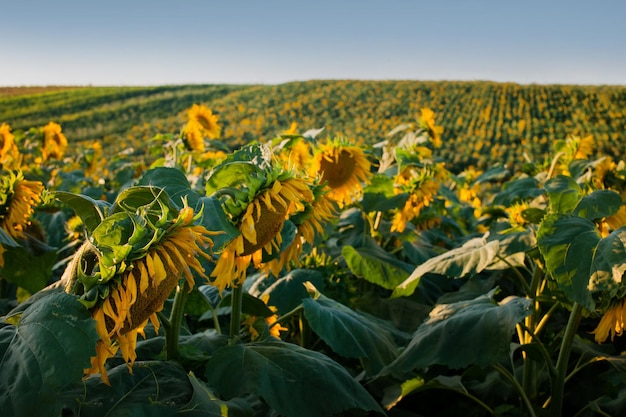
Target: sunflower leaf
89,210
44,353
214,219
174,182
351,334
377,266
470,332
28,270
296,382
587,268
158,388
471,258
204,403
564,194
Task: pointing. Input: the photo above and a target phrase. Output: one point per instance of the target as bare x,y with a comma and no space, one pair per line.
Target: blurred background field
484,122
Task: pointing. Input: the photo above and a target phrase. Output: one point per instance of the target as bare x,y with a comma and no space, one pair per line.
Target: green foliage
291,379
465,333
44,353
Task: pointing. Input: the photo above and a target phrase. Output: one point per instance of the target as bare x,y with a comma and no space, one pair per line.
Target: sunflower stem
235,314
176,320
558,388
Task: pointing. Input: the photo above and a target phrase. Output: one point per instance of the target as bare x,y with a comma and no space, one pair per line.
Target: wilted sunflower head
132,261
260,225
54,142
205,120
343,168
309,223
18,198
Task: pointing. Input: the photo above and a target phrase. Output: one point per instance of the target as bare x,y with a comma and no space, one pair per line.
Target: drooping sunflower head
54,142
260,225
204,118
18,198
133,260
309,223
344,168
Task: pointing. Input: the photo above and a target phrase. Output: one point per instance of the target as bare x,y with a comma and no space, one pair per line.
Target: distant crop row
483,121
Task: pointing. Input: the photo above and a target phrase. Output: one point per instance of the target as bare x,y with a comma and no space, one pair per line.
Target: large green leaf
173,181
568,244
598,204
473,257
351,334
461,334
288,292
564,194
296,382
204,403
376,265
89,210
154,389
518,190
214,219
380,195
43,354
31,271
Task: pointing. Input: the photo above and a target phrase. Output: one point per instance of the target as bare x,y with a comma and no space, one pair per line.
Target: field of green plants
331,248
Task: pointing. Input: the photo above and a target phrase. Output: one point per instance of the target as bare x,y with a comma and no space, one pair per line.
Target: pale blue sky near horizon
85,42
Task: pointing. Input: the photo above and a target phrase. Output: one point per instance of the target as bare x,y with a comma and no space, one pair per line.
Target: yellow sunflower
193,136
515,212
611,323
427,122
308,223
8,149
54,142
421,196
138,292
260,224
18,197
205,118
343,168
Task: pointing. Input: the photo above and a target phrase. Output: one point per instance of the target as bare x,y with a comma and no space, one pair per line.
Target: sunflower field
308,274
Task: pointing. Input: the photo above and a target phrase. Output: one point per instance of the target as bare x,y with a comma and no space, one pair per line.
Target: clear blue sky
113,42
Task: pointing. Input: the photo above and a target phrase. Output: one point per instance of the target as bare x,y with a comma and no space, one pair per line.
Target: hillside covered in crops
483,122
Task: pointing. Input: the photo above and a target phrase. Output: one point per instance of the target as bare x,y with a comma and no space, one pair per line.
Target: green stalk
529,376
172,331
558,388
235,314
517,386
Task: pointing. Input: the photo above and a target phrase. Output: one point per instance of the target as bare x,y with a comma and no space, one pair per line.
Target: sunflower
343,168
422,194
54,142
8,149
308,224
612,322
18,197
427,122
205,119
192,134
516,214
260,225
124,303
